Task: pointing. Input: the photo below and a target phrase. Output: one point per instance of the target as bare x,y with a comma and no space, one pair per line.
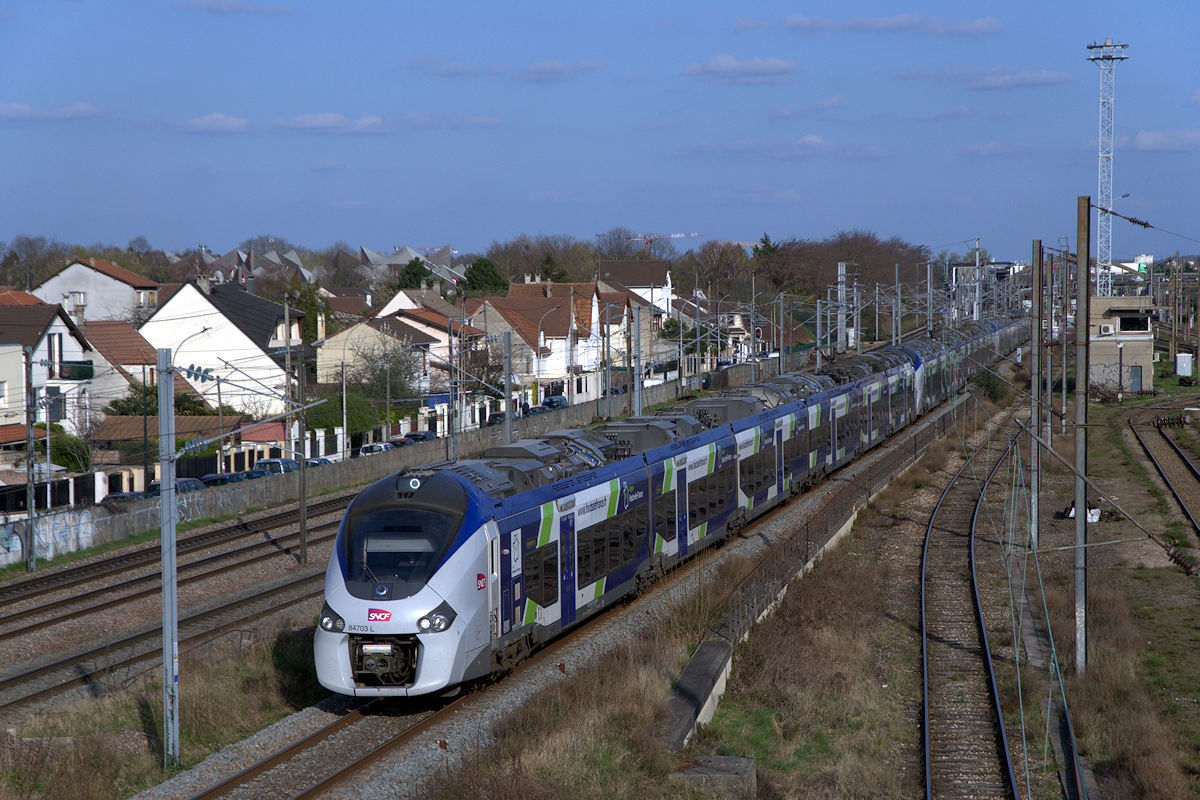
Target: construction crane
647,238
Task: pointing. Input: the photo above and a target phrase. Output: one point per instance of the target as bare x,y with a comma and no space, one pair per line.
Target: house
364,340
650,280
236,338
381,269
130,357
1121,344
91,289
61,372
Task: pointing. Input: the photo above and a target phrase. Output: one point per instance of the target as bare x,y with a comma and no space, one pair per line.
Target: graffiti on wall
54,535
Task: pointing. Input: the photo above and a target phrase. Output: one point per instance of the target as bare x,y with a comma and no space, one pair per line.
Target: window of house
54,354
1134,323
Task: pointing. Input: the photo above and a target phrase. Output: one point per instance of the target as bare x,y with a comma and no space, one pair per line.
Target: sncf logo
480,581
378,615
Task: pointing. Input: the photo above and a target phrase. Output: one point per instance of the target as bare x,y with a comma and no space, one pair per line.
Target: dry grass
111,747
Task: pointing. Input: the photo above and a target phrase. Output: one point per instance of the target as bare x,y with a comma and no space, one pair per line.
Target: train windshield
399,546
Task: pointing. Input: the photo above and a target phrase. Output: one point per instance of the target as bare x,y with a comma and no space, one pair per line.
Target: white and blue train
457,570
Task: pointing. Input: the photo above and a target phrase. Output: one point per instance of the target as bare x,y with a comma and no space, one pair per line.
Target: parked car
537,410
276,466
371,449
318,461
220,479
251,474
421,436
557,401
400,441
123,496
497,418
181,485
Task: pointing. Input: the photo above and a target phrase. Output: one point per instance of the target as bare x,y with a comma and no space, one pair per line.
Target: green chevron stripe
712,457
614,487
669,476
530,615
599,588
547,524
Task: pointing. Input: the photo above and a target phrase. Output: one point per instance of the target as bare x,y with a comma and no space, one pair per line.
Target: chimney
528,278
204,285
251,285
549,289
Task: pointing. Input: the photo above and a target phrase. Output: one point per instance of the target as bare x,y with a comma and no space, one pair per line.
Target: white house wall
107,298
199,334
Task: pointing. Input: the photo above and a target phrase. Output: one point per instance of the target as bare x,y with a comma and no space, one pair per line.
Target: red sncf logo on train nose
480,581
378,615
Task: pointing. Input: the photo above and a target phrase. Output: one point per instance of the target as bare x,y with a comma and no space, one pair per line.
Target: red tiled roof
524,313
115,428
436,320
117,273
266,432
349,305
15,297
120,343
581,293
11,434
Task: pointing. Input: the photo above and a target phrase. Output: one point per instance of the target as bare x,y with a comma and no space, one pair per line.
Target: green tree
482,276
411,276
306,297
551,271
142,399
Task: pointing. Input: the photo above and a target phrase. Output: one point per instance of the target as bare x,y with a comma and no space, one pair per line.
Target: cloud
723,68
557,71
1167,141
216,123
231,7
997,148
420,120
901,23
1009,78
27,112
328,122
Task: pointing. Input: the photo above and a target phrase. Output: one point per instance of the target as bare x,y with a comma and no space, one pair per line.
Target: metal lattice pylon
1106,57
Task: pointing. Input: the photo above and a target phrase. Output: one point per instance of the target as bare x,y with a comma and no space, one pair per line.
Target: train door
779,460
494,594
567,545
681,505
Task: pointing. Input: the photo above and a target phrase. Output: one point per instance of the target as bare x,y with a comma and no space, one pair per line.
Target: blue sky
383,123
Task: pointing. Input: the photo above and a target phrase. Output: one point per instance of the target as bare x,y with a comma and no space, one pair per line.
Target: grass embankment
110,747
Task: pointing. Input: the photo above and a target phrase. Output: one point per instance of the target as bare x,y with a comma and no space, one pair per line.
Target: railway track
1176,469
966,750
43,583
111,664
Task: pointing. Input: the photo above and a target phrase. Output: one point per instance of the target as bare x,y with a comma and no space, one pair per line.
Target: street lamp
537,355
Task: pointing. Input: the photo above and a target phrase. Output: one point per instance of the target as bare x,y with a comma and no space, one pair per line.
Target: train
457,570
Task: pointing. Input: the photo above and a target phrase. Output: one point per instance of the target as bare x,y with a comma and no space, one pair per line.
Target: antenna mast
1106,57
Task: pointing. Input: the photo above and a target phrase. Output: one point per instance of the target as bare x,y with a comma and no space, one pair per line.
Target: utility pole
753,326
509,409
1082,289
819,334
1035,452
841,306
637,376
450,448
899,305
167,520
1066,302
30,499
304,462
220,428
345,423
875,336
1174,303
929,299
978,282
387,425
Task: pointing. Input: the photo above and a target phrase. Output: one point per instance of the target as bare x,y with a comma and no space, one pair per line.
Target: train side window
664,516
549,575
583,555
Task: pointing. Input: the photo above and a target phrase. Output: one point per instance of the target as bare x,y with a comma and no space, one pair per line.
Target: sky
387,123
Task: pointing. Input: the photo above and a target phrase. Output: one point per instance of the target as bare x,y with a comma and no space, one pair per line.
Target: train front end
407,593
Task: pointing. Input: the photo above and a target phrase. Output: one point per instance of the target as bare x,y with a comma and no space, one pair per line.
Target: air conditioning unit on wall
1107,330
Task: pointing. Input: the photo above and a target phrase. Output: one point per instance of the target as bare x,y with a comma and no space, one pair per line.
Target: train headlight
438,620
330,620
